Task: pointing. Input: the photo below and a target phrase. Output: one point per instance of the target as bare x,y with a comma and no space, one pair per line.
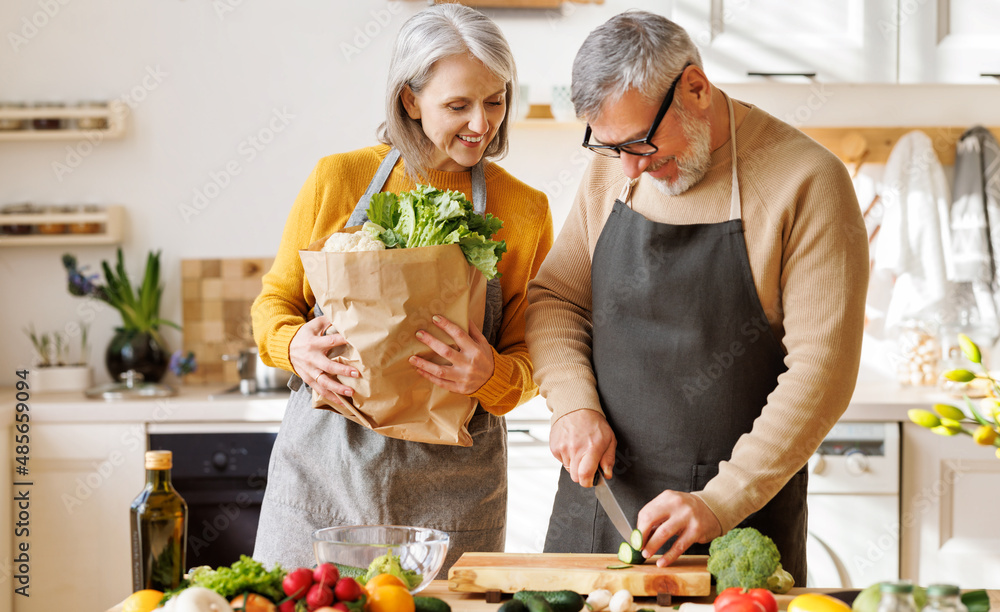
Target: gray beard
695,161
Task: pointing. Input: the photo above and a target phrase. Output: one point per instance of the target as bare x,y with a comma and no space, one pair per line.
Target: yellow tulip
984,435
924,418
943,430
949,411
970,349
962,376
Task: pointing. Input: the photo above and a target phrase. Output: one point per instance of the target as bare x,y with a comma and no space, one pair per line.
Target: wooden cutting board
583,573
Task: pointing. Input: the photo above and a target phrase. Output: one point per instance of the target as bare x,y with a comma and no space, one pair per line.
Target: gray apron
684,359
327,471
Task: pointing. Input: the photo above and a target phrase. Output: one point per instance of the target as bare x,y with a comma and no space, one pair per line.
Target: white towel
911,246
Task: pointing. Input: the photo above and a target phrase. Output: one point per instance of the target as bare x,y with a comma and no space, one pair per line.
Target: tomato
391,598
254,603
761,596
383,580
740,605
296,584
816,602
348,589
326,574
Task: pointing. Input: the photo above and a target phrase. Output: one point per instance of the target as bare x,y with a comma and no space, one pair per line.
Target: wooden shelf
112,218
857,145
113,113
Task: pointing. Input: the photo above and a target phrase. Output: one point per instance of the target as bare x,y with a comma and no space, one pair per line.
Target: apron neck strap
735,206
360,214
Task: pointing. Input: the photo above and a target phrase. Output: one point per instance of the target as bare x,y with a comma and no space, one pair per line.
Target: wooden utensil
583,573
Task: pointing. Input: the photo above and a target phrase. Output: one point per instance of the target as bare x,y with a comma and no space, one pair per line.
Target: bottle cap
942,589
159,460
896,587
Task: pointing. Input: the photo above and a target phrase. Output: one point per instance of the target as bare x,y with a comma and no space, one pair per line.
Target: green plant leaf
975,413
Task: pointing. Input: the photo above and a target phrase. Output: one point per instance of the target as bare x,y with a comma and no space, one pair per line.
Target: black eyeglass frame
616,150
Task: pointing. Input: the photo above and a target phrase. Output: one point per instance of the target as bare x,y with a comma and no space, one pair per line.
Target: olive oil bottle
159,528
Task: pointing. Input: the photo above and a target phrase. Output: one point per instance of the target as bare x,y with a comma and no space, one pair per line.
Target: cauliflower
350,243
749,559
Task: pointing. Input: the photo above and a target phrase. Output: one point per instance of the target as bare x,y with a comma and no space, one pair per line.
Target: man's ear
695,88
410,103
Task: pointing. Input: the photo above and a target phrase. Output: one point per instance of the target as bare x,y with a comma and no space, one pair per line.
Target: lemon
142,601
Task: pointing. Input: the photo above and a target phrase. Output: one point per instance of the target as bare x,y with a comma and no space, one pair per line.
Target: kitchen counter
873,400
476,602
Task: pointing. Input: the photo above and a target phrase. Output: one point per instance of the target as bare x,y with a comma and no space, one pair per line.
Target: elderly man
696,328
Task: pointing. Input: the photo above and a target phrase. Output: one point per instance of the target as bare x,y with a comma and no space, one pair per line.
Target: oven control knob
857,462
220,460
817,464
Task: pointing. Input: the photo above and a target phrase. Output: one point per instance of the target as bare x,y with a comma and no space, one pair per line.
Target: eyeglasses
643,146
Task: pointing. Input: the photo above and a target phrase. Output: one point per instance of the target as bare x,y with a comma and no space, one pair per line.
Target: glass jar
8,124
50,227
86,227
94,122
17,229
919,354
897,597
944,598
52,119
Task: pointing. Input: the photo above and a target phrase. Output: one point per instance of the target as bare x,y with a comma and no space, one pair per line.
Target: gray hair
633,50
431,35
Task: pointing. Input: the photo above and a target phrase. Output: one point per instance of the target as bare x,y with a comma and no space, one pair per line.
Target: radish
296,584
326,574
348,589
319,596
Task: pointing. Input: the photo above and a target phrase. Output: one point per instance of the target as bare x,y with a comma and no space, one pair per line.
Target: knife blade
611,507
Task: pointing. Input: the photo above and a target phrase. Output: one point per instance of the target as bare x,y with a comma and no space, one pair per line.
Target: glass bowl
419,549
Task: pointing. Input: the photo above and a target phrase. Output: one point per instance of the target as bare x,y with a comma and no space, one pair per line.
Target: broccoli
389,564
747,558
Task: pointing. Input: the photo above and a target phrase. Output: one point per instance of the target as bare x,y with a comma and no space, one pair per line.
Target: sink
234,393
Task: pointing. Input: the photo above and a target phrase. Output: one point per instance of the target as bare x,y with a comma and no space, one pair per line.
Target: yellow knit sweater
808,252
324,205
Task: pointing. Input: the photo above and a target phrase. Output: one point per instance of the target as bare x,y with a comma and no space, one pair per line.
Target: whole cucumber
559,601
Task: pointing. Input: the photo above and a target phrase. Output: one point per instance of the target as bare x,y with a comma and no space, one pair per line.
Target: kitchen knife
611,507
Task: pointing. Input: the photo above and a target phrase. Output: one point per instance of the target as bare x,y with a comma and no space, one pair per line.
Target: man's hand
583,441
674,513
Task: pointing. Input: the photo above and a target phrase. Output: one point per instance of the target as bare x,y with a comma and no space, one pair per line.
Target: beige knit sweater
808,252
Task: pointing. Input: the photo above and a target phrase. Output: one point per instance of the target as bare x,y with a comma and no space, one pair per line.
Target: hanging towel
911,246
974,256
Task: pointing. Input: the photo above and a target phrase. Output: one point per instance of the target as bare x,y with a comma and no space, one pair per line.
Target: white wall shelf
110,218
113,113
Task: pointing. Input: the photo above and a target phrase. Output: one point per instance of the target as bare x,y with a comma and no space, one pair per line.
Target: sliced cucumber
627,554
623,566
636,539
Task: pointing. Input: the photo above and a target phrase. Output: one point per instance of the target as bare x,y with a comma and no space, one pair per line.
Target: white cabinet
744,40
84,478
951,490
948,41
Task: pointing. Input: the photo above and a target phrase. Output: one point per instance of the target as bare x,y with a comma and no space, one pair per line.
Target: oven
854,506
220,469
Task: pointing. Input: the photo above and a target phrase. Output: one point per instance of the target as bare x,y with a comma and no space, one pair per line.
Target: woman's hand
308,354
471,362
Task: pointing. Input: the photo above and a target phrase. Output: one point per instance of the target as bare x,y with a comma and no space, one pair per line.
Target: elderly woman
448,99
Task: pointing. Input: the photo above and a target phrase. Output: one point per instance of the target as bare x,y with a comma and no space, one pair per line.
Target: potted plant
55,369
137,345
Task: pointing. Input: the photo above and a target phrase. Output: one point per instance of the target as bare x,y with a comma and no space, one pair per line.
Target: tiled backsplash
217,294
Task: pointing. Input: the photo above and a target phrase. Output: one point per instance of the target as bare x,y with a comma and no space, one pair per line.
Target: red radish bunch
322,589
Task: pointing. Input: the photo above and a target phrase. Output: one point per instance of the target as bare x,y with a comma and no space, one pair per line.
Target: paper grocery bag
378,300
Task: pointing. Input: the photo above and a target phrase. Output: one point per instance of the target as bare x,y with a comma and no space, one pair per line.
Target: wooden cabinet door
837,41
84,479
951,490
949,41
